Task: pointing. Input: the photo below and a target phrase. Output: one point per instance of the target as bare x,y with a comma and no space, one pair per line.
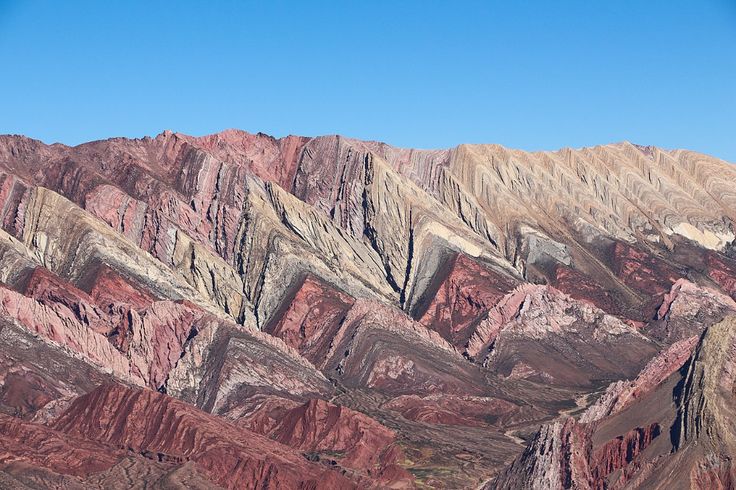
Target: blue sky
526,74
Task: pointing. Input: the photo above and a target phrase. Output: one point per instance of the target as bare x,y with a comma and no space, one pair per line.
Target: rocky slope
670,428
237,311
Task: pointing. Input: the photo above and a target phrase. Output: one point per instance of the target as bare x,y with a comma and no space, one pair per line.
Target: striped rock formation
237,310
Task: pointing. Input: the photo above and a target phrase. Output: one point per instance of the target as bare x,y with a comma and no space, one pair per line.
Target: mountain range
241,311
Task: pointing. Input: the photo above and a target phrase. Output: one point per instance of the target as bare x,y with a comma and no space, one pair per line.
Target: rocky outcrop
538,332
336,433
149,423
556,458
619,453
687,309
622,394
36,456
723,271
381,348
37,445
705,405
562,455
65,331
699,419
462,292
224,365
310,317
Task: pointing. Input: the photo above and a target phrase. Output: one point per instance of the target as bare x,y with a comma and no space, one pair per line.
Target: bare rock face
65,331
622,394
565,455
555,458
723,271
687,309
38,445
224,365
150,423
705,415
463,292
311,317
538,332
372,350
338,434
693,404
236,310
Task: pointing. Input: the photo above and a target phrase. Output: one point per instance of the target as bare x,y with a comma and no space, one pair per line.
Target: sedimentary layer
237,310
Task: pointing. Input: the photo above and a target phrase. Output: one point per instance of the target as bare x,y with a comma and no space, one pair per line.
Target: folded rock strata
686,441
329,312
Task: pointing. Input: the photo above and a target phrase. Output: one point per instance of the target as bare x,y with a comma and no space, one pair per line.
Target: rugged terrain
240,311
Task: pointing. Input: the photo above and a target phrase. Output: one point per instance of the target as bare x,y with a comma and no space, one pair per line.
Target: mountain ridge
448,302
234,131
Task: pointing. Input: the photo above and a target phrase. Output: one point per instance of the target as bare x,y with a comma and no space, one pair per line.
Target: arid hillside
239,311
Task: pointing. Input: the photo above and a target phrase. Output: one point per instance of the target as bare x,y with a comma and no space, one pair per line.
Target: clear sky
525,74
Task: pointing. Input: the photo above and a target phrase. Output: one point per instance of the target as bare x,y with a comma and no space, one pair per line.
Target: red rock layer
718,476
310,317
154,337
620,452
151,423
644,273
584,288
33,444
143,344
231,218
52,291
462,293
257,151
25,393
335,432
109,288
723,271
